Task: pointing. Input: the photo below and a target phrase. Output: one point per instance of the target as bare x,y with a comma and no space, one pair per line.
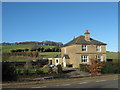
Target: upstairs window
84,59
98,48
84,48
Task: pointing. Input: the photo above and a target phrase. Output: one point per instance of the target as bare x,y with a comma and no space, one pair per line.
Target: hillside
8,48
112,55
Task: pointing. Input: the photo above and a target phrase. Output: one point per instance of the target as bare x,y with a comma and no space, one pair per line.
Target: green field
8,48
112,55
15,60
50,54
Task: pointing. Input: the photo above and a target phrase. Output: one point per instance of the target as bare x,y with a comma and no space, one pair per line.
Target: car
52,65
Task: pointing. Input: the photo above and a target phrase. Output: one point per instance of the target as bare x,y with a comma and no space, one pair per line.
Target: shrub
42,61
95,67
50,70
59,68
19,72
8,72
26,50
26,72
111,68
83,68
39,71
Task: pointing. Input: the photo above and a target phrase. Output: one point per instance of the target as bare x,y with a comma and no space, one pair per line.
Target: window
98,48
84,48
84,59
56,61
99,58
50,62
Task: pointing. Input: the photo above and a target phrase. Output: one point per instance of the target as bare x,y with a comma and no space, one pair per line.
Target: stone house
80,51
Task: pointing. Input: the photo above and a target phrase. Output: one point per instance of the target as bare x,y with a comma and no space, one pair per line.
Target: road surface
108,81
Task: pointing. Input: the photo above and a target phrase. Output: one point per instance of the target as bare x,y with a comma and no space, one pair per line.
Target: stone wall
75,52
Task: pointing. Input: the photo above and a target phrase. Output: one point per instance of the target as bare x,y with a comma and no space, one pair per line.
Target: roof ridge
81,40
77,39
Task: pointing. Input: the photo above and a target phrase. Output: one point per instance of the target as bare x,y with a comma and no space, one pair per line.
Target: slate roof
81,40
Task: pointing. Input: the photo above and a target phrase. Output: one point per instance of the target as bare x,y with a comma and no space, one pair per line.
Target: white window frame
84,59
84,48
56,61
100,58
98,48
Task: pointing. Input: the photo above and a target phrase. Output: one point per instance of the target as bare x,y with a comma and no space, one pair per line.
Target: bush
19,72
111,68
59,69
26,72
39,71
83,67
8,72
50,70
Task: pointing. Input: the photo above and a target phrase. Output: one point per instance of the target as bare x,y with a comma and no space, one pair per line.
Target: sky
60,21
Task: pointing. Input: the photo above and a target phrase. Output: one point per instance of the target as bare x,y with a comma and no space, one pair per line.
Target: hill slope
8,48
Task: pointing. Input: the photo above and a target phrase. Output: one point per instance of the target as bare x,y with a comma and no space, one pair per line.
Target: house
81,50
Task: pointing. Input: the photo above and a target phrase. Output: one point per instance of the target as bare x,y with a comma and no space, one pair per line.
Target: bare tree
95,66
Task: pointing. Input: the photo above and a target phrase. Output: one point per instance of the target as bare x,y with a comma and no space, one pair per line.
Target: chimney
87,35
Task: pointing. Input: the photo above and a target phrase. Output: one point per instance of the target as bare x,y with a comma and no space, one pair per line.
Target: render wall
54,60
75,52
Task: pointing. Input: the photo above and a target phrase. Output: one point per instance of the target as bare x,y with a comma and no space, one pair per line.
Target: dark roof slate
81,40
66,56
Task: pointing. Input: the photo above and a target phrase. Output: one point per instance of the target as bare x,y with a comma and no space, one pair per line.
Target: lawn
23,58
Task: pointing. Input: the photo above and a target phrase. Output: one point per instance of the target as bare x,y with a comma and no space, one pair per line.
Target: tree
95,67
8,72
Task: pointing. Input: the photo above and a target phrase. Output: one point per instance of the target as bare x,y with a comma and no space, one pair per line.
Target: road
88,84
108,81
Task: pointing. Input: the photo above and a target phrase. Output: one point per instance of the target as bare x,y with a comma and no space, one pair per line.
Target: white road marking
39,87
101,80
98,81
83,83
115,78
36,87
44,86
65,84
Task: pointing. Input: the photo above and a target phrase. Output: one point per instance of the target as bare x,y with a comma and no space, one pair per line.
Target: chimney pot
87,35
86,31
